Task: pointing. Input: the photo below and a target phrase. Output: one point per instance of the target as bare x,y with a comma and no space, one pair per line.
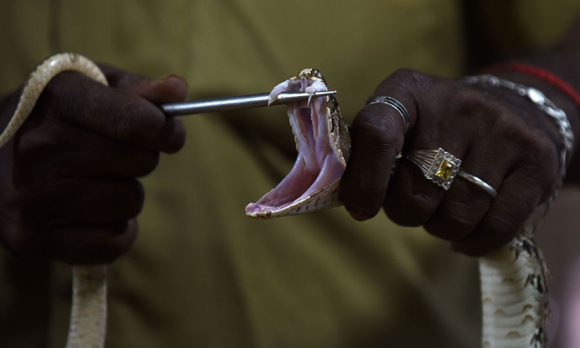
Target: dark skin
69,178
501,137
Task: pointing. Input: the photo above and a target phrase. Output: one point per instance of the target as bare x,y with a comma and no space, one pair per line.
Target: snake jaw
312,184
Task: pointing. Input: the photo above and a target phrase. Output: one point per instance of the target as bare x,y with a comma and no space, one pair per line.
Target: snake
514,293
513,279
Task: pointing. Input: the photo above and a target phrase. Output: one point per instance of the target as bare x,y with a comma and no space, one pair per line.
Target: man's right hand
68,177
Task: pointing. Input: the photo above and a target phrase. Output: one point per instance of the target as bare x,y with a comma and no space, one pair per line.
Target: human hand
501,138
68,177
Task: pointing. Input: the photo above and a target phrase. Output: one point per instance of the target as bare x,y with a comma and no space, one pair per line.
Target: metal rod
235,102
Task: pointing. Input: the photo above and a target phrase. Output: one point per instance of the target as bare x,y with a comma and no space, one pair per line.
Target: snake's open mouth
317,165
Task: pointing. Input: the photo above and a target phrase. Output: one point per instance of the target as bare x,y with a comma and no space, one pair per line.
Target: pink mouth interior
317,165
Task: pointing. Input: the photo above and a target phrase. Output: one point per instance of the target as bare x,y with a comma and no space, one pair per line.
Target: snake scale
513,280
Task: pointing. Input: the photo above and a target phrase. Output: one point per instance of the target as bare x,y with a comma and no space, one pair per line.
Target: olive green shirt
201,274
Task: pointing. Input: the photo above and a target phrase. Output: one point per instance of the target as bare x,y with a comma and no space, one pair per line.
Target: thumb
164,89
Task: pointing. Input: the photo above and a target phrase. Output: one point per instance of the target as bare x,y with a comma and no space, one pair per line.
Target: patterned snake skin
513,279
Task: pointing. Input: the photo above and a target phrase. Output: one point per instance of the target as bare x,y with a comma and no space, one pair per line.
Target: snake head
323,146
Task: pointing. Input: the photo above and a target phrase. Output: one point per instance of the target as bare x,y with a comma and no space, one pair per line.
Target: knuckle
541,163
412,88
547,156
173,135
95,244
125,119
539,149
423,203
113,202
37,144
121,242
503,125
136,195
460,215
61,94
146,161
502,228
135,121
376,128
473,104
414,210
411,81
56,89
410,78
454,220
118,203
180,136
115,242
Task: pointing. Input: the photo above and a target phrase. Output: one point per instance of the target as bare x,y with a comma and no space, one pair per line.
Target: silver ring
441,167
438,166
479,183
394,103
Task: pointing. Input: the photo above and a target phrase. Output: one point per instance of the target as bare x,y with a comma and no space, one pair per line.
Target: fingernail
175,87
358,213
171,76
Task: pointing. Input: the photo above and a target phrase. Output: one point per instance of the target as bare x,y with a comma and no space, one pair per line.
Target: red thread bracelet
541,74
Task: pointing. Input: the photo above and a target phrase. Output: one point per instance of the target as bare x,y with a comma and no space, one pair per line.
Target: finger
75,244
164,89
517,198
374,148
411,199
90,244
115,113
377,137
445,121
459,213
530,178
465,204
66,150
81,201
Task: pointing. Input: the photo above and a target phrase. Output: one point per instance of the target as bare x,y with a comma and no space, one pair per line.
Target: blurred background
559,238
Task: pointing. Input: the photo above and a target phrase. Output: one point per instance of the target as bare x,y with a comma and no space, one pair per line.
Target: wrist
565,94
534,96
511,92
562,94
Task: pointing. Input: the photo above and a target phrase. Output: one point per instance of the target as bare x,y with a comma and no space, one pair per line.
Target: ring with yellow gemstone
439,166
